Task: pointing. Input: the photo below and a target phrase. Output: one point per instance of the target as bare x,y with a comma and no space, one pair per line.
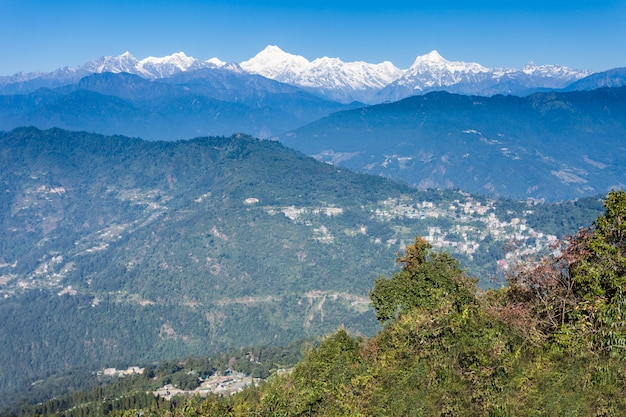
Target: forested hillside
551,342
553,145
121,251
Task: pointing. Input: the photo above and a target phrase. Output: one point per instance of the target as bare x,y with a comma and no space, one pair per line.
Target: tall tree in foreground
427,280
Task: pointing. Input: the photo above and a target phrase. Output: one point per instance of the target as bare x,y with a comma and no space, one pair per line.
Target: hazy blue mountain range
615,77
211,101
550,146
117,250
179,97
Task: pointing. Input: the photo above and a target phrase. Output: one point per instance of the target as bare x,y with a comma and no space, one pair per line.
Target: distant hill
210,101
552,146
118,251
615,77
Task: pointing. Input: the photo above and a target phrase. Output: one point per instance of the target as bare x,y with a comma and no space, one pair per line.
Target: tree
427,280
578,297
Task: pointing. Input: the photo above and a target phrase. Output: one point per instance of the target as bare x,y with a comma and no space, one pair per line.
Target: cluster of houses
221,384
473,222
120,373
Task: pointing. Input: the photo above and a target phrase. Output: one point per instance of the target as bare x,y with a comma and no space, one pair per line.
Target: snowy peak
272,62
342,81
552,71
178,60
432,57
122,63
328,77
150,67
432,62
432,72
215,62
167,66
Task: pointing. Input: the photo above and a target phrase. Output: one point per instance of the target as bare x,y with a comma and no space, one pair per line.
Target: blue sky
38,35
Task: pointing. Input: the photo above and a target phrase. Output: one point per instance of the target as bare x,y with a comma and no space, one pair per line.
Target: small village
227,383
471,222
468,222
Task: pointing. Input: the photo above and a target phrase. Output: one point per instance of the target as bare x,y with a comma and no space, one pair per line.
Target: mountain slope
210,101
547,145
118,251
115,249
615,77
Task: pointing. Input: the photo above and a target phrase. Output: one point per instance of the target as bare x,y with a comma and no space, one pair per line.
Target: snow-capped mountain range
330,78
338,80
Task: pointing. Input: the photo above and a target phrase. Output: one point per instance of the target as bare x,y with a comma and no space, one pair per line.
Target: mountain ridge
213,101
328,77
554,145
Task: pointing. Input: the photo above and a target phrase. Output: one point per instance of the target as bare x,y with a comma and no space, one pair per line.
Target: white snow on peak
553,71
338,80
272,62
343,81
215,62
153,67
150,67
433,61
431,57
178,59
122,63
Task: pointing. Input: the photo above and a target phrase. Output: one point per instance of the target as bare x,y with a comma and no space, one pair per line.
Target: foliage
533,348
103,395
543,346
577,297
117,251
426,280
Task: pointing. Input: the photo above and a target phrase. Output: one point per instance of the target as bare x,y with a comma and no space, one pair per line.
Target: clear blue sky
48,34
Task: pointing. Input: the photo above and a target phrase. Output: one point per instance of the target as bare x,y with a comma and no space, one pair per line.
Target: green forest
550,342
118,251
